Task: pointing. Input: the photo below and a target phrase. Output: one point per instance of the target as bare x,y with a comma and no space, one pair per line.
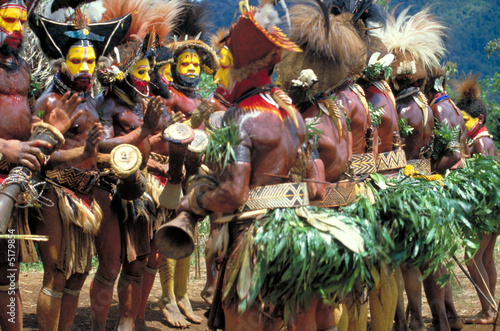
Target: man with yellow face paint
482,269
76,186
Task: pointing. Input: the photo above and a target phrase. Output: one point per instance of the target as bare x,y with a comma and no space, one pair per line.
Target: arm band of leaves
242,154
48,133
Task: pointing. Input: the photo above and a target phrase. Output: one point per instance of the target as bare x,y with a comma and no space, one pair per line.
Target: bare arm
70,157
136,136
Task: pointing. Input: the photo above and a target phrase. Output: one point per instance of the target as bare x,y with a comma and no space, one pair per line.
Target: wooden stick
24,237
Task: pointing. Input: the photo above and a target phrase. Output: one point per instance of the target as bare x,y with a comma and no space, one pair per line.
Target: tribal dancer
16,150
191,55
73,223
417,44
261,128
128,118
482,268
444,109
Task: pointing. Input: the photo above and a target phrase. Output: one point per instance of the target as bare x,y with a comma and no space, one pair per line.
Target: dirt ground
465,298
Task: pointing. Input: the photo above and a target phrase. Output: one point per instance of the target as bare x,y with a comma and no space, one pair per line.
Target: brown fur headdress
155,18
332,54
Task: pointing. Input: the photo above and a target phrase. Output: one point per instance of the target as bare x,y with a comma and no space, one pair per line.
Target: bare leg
69,302
489,262
108,246
251,320
413,287
54,281
482,277
180,286
208,292
400,320
168,302
435,298
147,284
306,319
453,319
325,316
129,289
11,314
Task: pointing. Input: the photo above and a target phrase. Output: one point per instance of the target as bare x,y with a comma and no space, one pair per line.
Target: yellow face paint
141,71
12,20
470,122
164,73
81,60
188,64
226,62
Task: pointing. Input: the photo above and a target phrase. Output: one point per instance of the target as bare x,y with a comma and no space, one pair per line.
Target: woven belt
391,160
338,194
422,166
363,164
74,179
284,195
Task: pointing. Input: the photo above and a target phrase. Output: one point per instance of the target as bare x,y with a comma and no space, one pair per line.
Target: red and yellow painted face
12,20
188,64
470,122
81,61
164,73
140,76
224,84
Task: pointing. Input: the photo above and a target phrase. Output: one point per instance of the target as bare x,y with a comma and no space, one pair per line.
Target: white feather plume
420,35
95,10
267,17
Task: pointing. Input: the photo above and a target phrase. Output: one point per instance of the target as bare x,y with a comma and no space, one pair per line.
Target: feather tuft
468,88
267,17
420,36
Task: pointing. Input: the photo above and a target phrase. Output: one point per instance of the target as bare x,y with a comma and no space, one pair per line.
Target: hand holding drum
178,137
125,161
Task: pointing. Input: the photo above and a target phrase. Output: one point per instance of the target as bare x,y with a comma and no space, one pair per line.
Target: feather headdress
330,50
190,32
149,18
470,97
416,39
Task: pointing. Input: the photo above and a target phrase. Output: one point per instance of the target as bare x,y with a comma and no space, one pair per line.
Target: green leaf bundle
295,261
443,136
220,150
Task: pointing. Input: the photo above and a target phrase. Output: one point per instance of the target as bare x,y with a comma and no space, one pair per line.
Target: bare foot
140,325
187,310
208,294
455,322
481,318
171,312
416,324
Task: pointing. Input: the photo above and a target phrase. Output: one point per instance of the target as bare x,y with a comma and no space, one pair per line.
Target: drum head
199,143
125,160
179,134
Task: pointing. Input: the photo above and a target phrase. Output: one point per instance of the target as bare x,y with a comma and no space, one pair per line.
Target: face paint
81,66
224,86
140,76
12,20
164,73
470,122
188,64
